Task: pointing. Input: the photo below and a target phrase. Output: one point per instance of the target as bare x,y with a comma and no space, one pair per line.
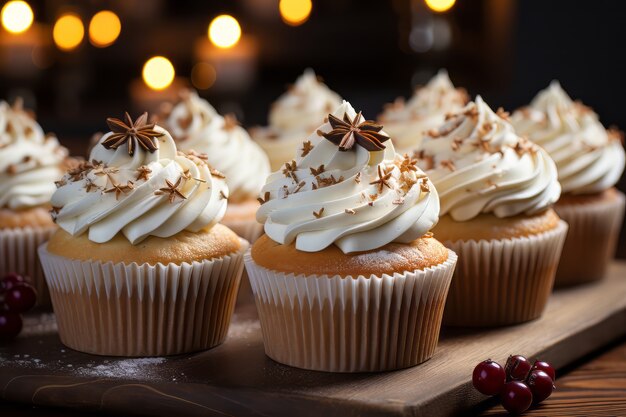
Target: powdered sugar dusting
126,368
374,260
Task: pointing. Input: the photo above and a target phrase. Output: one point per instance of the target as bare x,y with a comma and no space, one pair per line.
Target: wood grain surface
238,379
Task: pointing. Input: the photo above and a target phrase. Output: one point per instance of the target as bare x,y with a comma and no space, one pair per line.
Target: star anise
408,164
120,189
347,132
143,173
132,134
171,190
382,180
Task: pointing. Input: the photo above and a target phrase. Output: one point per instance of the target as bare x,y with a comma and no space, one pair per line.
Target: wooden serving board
237,379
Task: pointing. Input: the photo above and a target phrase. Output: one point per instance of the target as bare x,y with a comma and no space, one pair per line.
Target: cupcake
197,127
347,277
590,161
30,162
427,109
140,265
496,190
293,116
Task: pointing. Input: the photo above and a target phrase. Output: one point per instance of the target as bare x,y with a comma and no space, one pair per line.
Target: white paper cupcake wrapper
18,253
345,324
142,310
591,241
501,282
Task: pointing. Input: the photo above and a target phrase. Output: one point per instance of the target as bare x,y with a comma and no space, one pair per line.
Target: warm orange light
68,32
203,75
17,16
224,31
104,28
158,73
440,5
295,12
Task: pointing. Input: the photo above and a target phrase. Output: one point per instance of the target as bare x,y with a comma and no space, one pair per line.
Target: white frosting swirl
427,109
480,165
339,204
227,145
589,158
87,200
30,162
303,105
294,115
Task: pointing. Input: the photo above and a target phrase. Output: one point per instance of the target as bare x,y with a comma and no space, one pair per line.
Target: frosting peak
406,122
227,145
353,197
153,191
30,161
589,158
480,165
303,105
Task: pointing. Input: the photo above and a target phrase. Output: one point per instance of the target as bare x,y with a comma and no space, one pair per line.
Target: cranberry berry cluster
16,297
519,383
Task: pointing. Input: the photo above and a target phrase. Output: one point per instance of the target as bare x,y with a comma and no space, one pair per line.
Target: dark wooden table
593,386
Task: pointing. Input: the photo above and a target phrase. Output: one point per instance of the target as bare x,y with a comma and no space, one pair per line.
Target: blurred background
77,62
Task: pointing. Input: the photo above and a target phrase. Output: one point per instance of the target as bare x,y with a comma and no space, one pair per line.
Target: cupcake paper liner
142,310
18,253
502,282
250,230
591,240
345,324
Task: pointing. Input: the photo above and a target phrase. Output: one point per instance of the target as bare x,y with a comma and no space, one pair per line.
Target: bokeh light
203,75
104,28
17,16
224,31
158,73
295,12
440,5
68,32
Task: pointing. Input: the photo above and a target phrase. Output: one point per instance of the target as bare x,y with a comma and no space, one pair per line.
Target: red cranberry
10,325
540,384
545,367
488,377
10,280
20,298
517,368
516,397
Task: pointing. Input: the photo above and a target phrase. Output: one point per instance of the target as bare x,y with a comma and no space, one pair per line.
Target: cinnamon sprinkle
318,214
120,189
447,163
265,198
306,148
318,171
